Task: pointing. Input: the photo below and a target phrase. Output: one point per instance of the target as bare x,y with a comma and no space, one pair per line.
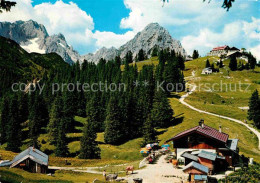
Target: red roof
219,48
205,130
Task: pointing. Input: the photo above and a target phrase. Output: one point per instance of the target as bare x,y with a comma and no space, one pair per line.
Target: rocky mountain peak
33,37
153,35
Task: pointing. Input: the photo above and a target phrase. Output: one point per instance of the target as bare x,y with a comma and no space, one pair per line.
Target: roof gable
33,154
197,166
206,131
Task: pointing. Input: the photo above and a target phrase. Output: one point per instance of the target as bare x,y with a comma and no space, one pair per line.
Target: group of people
151,157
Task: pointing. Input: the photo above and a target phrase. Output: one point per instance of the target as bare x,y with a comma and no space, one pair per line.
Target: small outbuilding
207,70
194,168
31,159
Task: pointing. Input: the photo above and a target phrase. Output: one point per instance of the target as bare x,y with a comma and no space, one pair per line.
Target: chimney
201,123
220,130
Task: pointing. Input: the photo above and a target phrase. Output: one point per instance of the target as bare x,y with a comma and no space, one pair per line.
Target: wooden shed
194,168
31,160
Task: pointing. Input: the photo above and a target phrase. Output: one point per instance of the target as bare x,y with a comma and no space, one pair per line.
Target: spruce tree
149,133
129,57
207,63
88,146
233,63
4,119
118,61
55,117
61,149
251,61
254,108
180,62
14,127
155,51
221,64
23,106
141,55
94,112
161,113
69,109
114,132
195,54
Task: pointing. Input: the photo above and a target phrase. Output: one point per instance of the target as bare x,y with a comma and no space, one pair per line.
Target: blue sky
107,14
91,24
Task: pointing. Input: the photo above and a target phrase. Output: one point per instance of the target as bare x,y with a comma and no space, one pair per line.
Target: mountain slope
33,37
17,65
152,36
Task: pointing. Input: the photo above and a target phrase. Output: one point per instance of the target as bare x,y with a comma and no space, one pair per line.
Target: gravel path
217,115
160,172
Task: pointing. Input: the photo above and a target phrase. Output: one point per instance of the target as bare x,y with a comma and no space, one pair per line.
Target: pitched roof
197,166
208,155
219,48
232,144
189,156
205,130
33,154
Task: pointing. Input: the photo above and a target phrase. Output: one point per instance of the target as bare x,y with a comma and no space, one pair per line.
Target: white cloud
252,29
208,39
174,13
109,39
255,51
239,34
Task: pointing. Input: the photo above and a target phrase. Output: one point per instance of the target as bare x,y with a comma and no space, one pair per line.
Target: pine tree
149,133
251,61
233,63
129,57
114,131
254,108
141,55
38,117
88,146
221,64
55,117
195,54
162,58
61,149
69,109
161,113
4,119
118,61
155,51
14,127
180,62
207,63
94,112
213,67
23,106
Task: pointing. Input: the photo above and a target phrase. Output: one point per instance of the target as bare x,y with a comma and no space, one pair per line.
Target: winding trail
217,115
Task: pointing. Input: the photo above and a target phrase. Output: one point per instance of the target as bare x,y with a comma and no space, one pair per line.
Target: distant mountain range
33,37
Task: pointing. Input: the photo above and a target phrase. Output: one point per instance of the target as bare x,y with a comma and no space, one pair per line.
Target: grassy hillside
16,65
152,61
224,92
